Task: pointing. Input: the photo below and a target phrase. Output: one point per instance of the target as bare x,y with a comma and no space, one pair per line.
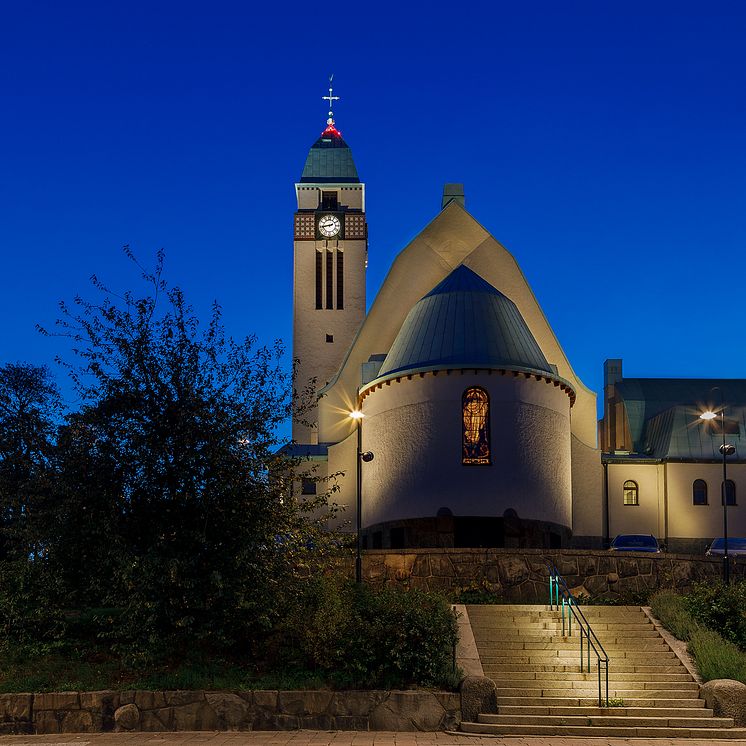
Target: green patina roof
330,161
464,321
663,416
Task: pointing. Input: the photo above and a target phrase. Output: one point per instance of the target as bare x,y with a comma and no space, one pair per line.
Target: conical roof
464,322
330,160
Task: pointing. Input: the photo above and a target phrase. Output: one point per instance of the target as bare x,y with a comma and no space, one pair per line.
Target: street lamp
727,449
357,415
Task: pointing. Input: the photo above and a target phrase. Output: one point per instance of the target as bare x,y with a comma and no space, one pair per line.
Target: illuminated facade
482,434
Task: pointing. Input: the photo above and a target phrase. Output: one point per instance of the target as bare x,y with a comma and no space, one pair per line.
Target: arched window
730,492
631,493
699,492
475,417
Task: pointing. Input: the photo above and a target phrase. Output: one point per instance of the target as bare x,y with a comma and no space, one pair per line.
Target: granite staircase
541,690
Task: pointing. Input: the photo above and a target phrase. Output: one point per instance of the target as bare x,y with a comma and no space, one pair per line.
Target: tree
174,456
30,406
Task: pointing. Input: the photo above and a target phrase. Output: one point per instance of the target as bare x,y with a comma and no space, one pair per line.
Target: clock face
329,225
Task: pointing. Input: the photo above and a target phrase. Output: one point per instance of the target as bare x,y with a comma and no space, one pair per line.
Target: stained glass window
475,407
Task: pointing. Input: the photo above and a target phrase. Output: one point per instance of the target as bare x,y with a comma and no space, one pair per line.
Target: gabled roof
464,321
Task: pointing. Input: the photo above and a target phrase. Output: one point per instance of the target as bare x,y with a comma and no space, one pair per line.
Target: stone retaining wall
89,712
520,575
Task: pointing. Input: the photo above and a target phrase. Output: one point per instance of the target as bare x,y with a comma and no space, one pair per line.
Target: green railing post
551,592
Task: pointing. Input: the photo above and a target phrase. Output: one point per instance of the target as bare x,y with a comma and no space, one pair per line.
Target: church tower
330,258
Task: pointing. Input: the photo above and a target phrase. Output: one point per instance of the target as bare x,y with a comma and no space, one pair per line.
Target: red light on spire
331,130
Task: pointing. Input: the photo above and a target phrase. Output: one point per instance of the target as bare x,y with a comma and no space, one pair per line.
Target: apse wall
414,428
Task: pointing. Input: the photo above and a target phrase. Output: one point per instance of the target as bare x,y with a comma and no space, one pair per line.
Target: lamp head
356,414
708,415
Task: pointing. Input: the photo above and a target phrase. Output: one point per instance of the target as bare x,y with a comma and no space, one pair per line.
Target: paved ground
332,738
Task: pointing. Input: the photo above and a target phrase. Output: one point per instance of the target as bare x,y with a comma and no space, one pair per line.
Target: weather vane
331,99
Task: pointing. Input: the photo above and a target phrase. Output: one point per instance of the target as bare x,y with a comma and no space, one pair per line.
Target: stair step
589,711
593,701
609,732
588,692
616,666
614,676
680,686
605,721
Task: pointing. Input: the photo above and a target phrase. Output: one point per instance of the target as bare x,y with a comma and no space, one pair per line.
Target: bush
672,611
717,658
721,608
360,637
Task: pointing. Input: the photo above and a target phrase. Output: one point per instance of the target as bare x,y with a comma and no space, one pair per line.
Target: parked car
736,547
635,543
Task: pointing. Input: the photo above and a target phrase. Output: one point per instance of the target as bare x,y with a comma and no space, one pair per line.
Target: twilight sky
604,144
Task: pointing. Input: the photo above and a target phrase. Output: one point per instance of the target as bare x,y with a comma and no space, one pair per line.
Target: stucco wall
636,519
414,429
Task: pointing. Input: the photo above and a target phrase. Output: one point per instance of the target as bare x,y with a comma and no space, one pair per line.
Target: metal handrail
559,590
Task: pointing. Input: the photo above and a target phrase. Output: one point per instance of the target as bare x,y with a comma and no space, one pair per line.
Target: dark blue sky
604,144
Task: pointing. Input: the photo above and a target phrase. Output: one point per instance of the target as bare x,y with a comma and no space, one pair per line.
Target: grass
716,658
62,667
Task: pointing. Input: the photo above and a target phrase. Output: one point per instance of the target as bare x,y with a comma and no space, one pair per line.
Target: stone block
349,722
492,572
193,716
127,717
478,696
355,703
179,698
46,721
266,699
156,721
317,722
57,701
408,711
727,698
149,700
97,700
421,566
597,584
304,702
627,567
231,711
77,721
513,570
441,566
15,707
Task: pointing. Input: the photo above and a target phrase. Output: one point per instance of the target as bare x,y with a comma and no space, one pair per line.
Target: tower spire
331,99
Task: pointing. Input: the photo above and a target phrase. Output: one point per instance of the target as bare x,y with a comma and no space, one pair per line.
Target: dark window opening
699,492
329,201
329,280
364,542
398,538
308,486
475,432
730,492
329,337
340,279
378,540
319,290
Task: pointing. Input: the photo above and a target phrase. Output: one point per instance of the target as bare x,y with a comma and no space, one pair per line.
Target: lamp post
726,450
357,415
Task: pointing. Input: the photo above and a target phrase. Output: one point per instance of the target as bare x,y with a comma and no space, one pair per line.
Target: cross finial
331,99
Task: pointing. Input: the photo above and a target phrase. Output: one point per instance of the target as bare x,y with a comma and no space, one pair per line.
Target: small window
329,201
730,492
319,281
378,540
329,280
329,337
631,493
475,432
699,492
340,280
308,486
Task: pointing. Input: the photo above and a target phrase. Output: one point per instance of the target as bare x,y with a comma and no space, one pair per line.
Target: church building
451,405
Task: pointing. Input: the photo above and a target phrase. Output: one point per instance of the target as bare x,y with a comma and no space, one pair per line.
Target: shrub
672,611
721,608
717,658
361,637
